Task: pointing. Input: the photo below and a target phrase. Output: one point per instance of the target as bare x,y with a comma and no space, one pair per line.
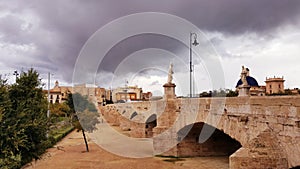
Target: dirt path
70,154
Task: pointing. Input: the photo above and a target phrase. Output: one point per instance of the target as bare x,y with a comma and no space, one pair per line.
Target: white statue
170,74
244,74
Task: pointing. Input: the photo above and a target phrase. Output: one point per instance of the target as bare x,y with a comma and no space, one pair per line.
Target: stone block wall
243,119
260,153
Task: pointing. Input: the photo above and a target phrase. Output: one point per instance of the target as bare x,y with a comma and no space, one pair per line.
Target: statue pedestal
169,91
244,90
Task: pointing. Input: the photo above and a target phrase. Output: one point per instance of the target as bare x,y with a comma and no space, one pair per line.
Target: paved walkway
70,154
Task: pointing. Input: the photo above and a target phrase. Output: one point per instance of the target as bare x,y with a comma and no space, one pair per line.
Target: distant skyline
262,35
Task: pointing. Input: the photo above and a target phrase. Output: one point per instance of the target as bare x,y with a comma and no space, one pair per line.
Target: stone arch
218,144
151,122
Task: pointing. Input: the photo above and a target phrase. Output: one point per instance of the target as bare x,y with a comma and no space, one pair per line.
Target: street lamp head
195,43
16,73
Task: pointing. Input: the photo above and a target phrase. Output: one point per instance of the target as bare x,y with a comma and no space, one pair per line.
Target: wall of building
125,93
274,85
58,94
95,94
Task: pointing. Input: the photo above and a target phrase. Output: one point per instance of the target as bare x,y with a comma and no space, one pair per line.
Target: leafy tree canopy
23,121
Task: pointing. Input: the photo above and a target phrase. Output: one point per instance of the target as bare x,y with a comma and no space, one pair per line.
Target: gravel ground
70,154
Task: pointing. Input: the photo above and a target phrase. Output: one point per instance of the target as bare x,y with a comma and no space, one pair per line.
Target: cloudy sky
263,35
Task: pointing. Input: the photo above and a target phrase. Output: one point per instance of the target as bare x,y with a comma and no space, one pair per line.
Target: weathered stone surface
262,152
243,119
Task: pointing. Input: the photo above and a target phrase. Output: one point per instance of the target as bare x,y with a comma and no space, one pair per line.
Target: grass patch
55,135
58,134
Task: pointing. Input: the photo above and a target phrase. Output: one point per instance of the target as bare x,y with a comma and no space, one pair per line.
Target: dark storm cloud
64,26
10,27
139,42
236,16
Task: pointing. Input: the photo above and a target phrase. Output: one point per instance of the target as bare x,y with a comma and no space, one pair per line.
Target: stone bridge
255,132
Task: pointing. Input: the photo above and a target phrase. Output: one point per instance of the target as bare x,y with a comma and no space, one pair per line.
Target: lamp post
16,74
195,43
49,80
126,90
48,111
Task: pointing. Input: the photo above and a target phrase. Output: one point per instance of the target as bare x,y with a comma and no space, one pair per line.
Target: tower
274,85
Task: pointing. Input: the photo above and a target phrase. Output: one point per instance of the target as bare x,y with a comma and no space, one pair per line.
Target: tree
9,157
219,93
23,120
205,94
286,92
85,114
59,109
232,93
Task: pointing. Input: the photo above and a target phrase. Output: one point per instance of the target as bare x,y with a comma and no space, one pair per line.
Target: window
279,86
270,86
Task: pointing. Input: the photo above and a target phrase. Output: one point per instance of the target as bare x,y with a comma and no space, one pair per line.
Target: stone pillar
164,141
165,137
169,91
244,90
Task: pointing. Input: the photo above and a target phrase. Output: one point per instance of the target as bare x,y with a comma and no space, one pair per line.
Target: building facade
130,93
95,94
258,91
274,85
58,94
127,93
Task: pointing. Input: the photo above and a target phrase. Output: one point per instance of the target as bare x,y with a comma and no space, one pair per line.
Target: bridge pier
162,144
165,135
261,153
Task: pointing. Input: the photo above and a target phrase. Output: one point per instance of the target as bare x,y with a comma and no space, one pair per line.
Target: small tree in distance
84,113
220,93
